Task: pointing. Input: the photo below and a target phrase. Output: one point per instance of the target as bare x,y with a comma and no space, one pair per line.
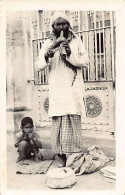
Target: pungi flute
62,49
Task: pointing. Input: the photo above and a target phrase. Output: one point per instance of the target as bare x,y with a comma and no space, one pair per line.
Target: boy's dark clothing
27,146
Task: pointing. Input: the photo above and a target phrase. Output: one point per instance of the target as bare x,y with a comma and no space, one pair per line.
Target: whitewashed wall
19,94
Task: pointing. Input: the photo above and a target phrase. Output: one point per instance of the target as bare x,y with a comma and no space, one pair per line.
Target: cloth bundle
88,162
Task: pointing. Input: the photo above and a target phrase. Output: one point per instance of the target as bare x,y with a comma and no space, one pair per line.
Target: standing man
65,55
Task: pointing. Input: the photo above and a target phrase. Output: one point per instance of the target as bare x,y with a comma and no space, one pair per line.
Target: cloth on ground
45,154
88,162
109,171
33,167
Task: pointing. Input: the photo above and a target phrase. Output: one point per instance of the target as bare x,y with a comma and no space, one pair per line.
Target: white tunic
63,98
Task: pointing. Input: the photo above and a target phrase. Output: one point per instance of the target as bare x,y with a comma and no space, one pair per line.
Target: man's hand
49,54
60,40
57,43
16,145
51,50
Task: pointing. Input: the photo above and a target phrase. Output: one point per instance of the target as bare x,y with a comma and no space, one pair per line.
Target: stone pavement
93,181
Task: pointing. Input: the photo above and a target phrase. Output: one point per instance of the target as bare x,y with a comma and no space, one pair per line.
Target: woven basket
60,178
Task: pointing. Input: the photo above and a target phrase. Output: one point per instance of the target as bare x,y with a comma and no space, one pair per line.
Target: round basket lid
60,172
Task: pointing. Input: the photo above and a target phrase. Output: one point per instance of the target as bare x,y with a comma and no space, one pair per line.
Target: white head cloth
59,15
65,17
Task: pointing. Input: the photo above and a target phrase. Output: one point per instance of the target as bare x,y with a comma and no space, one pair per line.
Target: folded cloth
88,162
97,153
109,171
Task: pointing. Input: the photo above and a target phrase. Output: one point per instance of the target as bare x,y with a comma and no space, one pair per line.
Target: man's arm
41,61
47,51
79,59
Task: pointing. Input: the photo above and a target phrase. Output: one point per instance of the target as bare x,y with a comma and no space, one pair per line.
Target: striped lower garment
66,134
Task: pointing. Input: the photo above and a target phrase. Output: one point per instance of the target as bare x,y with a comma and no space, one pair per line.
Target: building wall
19,93
79,20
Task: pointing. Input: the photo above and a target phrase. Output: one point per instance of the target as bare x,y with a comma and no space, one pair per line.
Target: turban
59,15
64,16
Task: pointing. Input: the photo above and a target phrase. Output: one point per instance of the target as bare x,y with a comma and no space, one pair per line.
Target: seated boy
27,141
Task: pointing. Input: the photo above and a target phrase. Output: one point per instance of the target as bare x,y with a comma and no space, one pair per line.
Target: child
27,141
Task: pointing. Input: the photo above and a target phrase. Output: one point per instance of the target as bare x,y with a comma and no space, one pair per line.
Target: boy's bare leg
22,149
34,150
36,158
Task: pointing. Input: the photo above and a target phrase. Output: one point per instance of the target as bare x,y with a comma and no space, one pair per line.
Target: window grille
97,30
